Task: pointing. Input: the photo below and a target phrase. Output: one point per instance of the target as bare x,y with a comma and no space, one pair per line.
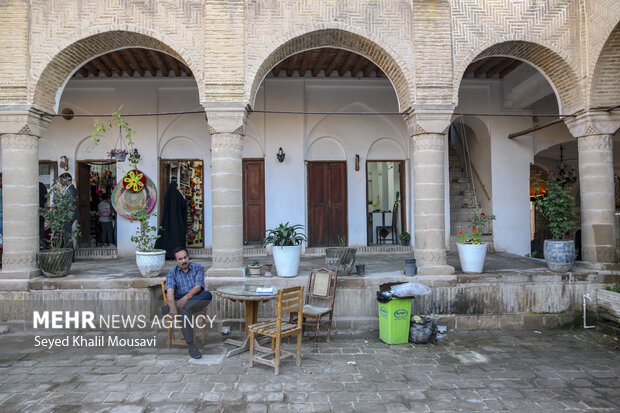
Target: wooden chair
289,299
172,334
393,228
320,296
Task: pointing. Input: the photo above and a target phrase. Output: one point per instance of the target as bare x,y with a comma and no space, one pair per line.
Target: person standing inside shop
67,181
174,221
106,216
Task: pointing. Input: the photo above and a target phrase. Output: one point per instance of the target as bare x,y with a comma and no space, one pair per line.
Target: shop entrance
94,178
385,195
188,173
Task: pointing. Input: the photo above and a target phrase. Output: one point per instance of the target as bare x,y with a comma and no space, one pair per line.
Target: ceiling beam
503,65
292,63
101,67
510,68
348,64
359,66
473,67
161,65
106,59
371,66
334,62
483,69
321,62
278,68
133,62
305,62
121,62
91,69
83,71
173,63
147,62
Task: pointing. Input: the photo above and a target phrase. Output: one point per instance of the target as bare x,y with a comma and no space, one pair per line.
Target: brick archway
605,87
68,60
342,39
563,79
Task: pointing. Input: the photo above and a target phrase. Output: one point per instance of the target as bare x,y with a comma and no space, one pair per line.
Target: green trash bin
394,319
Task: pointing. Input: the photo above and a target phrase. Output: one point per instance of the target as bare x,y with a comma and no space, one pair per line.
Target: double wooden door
327,203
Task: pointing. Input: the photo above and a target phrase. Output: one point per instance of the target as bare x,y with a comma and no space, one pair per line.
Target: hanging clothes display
173,232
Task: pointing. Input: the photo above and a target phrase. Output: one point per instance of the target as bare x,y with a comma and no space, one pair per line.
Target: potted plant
150,261
286,243
609,302
254,268
405,238
56,261
472,251
483,221
341,258
556,204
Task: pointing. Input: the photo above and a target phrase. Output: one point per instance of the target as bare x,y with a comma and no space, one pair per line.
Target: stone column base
225,272
437,270
22,274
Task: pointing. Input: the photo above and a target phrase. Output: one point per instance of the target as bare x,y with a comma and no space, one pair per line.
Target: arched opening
337,95
133,74
605,88
516,87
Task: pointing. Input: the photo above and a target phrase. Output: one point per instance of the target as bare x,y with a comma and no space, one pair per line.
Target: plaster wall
176,136
325,137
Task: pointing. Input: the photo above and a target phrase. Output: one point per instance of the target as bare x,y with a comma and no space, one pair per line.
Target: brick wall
424,46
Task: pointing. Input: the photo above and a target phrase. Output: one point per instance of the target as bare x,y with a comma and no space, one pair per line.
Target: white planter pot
150,263
472,257
287,260
559,255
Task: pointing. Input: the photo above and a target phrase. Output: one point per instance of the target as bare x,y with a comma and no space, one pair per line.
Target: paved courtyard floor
524,371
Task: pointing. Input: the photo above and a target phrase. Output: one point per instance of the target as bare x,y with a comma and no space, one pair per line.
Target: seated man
185,291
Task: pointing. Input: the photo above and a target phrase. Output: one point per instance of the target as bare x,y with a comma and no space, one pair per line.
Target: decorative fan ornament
134,180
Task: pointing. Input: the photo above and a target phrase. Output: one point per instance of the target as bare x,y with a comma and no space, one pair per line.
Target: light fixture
563,172
280,155
357,162
64,163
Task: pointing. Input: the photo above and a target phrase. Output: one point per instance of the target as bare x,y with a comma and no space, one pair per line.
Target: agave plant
284,235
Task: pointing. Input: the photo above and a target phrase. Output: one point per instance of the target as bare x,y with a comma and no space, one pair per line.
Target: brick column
428,133
594,131
20,127
227,127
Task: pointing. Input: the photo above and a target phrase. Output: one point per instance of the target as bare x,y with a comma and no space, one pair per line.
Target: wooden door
83,190
253,200
327,203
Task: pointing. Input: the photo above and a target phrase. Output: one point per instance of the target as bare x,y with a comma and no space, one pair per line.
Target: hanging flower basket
118,154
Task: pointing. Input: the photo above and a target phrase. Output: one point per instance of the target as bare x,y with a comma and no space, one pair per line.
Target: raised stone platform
513,293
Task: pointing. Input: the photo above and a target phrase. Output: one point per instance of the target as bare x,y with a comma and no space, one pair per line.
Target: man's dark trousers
198,302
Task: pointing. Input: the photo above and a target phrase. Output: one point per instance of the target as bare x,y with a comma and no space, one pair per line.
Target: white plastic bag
410,289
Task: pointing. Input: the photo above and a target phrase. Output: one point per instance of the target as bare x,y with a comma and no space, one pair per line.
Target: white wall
181,136
324,137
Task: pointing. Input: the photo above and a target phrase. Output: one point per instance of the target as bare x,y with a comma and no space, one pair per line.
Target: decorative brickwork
70,32
606,80
393,67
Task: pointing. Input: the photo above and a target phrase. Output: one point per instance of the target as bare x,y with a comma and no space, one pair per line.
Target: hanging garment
174,225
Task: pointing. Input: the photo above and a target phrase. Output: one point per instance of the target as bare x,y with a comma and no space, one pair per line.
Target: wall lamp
357,162
280,155
64,163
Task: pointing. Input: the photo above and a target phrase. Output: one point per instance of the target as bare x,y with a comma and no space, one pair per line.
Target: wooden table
247,294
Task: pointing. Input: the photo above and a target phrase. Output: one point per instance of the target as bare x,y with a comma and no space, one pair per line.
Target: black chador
174,221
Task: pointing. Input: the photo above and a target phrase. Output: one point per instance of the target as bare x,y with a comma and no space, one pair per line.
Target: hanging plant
124,142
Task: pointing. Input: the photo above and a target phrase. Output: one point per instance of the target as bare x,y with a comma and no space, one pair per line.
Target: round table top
245,292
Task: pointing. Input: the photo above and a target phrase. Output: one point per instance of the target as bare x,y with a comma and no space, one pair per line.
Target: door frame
403,198
163,188
346,198
77,186
243,196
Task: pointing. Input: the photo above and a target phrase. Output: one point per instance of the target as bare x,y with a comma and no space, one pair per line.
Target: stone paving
525,371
